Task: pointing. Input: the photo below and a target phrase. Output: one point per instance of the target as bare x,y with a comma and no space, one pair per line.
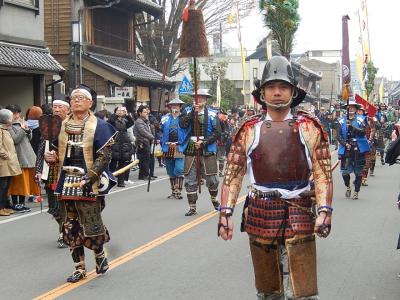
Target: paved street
358,260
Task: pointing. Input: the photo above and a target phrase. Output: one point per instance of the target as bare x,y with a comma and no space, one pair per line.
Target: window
111,29
30,4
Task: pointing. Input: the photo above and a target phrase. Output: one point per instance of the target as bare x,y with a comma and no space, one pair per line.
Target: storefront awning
115,68
27,59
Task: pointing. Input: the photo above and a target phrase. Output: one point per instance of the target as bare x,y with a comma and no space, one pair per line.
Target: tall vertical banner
219,92
364,34
234,15
381,92
346,75
364,53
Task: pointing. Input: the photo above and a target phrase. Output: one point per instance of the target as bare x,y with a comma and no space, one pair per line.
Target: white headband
82,91
61,102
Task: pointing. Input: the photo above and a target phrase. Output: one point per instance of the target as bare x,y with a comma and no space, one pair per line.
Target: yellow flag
381,92
231,18
345,93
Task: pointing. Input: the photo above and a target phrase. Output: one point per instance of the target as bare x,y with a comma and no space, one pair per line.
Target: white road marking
26,215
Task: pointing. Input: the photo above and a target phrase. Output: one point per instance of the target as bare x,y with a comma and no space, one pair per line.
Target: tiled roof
261,54
28,58
297,67
129,68
136,6
148,6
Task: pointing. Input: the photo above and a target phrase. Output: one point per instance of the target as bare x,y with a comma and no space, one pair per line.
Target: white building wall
22,22
17,90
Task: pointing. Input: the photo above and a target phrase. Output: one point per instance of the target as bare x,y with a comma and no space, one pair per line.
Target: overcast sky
321,29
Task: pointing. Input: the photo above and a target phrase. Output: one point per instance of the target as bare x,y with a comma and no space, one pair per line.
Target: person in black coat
122,148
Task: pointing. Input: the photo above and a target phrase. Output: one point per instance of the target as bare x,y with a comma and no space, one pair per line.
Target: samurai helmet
278,68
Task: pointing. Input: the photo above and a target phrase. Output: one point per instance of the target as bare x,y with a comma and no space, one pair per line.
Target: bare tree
215,70
158,39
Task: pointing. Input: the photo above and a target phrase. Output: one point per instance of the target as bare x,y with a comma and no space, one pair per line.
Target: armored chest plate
280,158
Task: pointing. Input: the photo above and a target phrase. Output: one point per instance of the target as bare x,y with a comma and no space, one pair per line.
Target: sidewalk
133,177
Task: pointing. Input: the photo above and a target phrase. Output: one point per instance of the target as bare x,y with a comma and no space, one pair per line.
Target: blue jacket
210,135
362,142
166,122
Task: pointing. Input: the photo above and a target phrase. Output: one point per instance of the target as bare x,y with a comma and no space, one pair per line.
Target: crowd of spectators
20,139
139,135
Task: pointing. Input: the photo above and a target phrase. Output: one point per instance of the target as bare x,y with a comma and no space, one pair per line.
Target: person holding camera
121,150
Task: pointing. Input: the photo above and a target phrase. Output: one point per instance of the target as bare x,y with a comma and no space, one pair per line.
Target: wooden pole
196,123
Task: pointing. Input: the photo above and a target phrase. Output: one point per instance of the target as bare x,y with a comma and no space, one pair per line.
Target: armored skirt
274,220
81,230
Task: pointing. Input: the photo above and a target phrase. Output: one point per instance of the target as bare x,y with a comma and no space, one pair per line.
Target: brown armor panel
302,266
266,269
280,156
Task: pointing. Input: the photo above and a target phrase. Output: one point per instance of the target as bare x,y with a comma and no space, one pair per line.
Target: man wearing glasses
84,152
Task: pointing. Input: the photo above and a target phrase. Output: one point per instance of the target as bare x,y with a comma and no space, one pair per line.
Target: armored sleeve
236,167
101,162
322,169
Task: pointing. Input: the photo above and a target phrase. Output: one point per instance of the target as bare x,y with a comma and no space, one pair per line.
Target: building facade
24,56
102,54
253,68
330,83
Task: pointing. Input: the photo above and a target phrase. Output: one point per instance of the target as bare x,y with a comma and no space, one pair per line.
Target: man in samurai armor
172,147
353,146
59,108
334,124
369,133
380,136
280,151
200,148
84,153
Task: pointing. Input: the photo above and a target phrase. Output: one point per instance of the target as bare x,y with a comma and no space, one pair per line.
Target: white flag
218,92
